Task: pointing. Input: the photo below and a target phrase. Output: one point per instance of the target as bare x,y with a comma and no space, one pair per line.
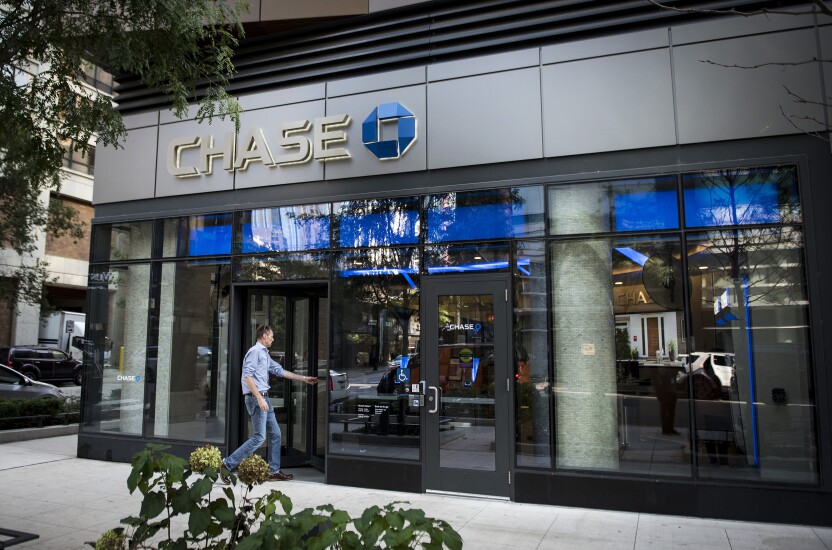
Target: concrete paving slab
67,501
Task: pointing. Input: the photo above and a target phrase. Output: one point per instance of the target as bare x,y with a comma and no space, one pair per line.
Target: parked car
713,373
721,363
14,385
339,386
42,363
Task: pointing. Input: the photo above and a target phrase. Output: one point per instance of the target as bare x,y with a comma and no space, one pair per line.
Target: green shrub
171,488
31,413
9,408
72,404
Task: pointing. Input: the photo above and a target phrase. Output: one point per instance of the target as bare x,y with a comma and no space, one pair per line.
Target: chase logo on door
476,327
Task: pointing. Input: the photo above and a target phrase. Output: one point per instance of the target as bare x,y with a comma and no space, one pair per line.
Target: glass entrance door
300,345
467,386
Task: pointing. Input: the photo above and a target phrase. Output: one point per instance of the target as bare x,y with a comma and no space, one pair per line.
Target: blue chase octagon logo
387,113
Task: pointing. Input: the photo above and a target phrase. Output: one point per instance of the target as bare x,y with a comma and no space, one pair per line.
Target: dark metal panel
121,449
671,497
387,475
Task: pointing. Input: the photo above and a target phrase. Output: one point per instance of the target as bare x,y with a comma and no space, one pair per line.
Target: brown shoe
225,474
279,476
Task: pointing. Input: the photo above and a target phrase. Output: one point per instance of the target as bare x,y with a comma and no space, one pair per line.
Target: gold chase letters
254,147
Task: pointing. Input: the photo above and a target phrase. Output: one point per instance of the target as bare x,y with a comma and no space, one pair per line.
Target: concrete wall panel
484,65
127,173
608,103
284,96
719,103
375,82
731,27
485,119
609,45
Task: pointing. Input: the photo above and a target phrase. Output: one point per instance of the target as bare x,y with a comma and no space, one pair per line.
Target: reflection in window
304,227
377,222
650,345
282,267
123,241
116,352
621,395
741,196
375,328
607,206
482,215
531,357
754,398
186,375
466,258
208,235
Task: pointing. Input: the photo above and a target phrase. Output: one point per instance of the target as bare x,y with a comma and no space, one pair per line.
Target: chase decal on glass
389,113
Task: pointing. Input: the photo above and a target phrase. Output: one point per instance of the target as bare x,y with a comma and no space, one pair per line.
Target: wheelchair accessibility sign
402,376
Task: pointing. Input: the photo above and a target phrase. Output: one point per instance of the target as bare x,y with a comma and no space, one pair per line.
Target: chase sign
405,131
323,139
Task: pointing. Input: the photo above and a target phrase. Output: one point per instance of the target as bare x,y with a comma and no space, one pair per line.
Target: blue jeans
264,425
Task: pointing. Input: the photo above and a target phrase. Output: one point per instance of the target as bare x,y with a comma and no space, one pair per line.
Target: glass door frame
495,483
293,293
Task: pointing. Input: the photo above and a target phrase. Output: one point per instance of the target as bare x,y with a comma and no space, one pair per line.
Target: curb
26,434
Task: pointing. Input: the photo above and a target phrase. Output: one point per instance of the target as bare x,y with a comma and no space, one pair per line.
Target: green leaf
152,505
198,521
224,513
201,488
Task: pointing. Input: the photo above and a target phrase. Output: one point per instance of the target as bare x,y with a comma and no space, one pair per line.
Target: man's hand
262,402
311,380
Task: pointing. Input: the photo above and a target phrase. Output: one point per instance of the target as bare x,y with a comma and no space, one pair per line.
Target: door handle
435,399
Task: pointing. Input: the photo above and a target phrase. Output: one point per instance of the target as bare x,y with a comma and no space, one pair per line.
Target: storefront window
751,368
379,222
116,353
745,196
466,258
483,215
208,235
188,366
304,227
614,206
282,267
123,241
618,335
375,330
531,357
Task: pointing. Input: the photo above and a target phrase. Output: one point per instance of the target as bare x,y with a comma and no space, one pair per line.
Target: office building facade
553,254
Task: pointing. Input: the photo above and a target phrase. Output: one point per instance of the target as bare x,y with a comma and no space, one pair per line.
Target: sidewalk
67,501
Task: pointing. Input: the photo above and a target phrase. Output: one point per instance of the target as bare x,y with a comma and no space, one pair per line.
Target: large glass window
375,331
482,215
531,357
474,258
618,328
304,227
744,196
751,368
123,241
614,206
116,353
282,267
188,366
208,235
379,222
